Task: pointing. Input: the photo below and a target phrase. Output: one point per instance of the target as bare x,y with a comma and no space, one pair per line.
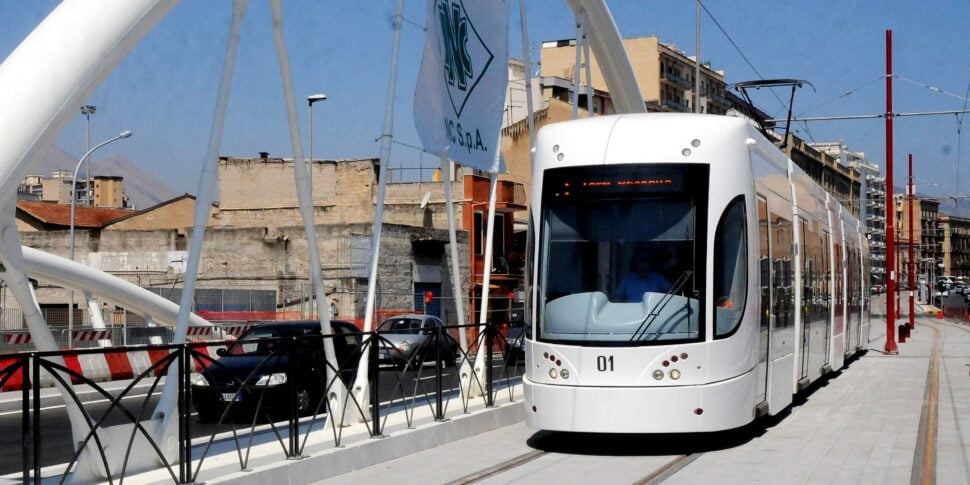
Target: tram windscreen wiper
661,304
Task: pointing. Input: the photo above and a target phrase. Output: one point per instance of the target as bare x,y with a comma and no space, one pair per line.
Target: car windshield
401,325
261,340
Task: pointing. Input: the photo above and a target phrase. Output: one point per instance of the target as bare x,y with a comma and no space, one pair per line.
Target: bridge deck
884,419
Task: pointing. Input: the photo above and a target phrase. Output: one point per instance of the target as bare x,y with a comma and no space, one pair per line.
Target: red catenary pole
890,347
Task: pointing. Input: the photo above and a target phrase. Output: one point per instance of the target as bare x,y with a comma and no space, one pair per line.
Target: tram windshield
622,254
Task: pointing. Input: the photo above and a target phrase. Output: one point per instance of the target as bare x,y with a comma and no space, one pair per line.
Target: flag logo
466,57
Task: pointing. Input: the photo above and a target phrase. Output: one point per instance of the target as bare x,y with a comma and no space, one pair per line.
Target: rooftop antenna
742,87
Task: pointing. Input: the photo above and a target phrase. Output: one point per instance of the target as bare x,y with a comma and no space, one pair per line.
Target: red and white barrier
23,338
17,338
110,365
116,364
237,329
87,335
199,331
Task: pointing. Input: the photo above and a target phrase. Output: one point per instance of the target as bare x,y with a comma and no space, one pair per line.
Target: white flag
460,96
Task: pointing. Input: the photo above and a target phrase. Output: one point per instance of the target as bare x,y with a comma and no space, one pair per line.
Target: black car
515,337
256,369
515,345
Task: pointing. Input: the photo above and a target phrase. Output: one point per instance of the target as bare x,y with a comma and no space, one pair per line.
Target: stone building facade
265,259
255,240
956,245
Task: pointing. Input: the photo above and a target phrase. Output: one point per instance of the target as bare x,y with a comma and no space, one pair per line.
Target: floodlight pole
890,347
313,98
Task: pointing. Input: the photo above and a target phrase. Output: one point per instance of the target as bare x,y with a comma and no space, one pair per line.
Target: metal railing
292,409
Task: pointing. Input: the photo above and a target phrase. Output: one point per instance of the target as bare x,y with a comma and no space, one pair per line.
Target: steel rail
668,469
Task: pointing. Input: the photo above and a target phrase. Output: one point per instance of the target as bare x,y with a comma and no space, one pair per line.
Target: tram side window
730,268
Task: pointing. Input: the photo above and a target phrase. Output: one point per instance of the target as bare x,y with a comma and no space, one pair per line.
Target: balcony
722,100
677,106
677,80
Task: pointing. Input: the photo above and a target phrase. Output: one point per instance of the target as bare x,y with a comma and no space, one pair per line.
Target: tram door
838,331
807,297
826,287
764,270
851,332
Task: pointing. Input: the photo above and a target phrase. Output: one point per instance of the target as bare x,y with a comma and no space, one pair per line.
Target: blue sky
164,91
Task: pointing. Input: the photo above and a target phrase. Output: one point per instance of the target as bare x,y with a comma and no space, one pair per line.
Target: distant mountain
144,190
51,159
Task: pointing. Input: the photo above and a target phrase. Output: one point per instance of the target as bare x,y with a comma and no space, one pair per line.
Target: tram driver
644,276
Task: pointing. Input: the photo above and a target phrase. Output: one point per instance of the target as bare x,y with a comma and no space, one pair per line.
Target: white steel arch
69,274
58,66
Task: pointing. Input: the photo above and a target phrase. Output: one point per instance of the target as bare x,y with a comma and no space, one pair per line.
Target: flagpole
457,292
486,280
458,106
208,179
387,137
338,392
589,68
580,21
527,59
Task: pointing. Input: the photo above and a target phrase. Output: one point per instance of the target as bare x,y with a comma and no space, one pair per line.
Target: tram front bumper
718,406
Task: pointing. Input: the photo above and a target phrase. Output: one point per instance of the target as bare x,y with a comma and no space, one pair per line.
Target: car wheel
450,359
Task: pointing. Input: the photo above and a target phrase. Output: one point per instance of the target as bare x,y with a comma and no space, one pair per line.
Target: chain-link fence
293,301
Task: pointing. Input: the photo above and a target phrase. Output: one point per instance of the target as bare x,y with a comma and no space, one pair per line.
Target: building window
481,230
479,233
498,244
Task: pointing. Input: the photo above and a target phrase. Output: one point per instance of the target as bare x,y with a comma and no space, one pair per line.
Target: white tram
686,276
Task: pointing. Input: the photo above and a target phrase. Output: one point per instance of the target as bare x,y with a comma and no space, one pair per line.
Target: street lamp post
88,110
313,98
70,306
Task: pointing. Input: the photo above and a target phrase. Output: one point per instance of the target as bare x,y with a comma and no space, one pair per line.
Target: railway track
654,476
924,457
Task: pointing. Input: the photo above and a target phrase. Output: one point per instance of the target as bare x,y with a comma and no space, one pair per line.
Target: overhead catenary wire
747,61
932,88
959,115
843,95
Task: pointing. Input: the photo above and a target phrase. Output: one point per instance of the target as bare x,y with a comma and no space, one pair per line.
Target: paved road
55,426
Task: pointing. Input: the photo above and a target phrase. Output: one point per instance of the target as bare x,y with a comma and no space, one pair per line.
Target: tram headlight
658,374
564,374
553,373
675,374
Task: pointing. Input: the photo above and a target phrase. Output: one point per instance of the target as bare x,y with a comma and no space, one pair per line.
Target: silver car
409,341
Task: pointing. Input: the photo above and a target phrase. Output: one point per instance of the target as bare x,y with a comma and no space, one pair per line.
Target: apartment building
665,74
99,191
